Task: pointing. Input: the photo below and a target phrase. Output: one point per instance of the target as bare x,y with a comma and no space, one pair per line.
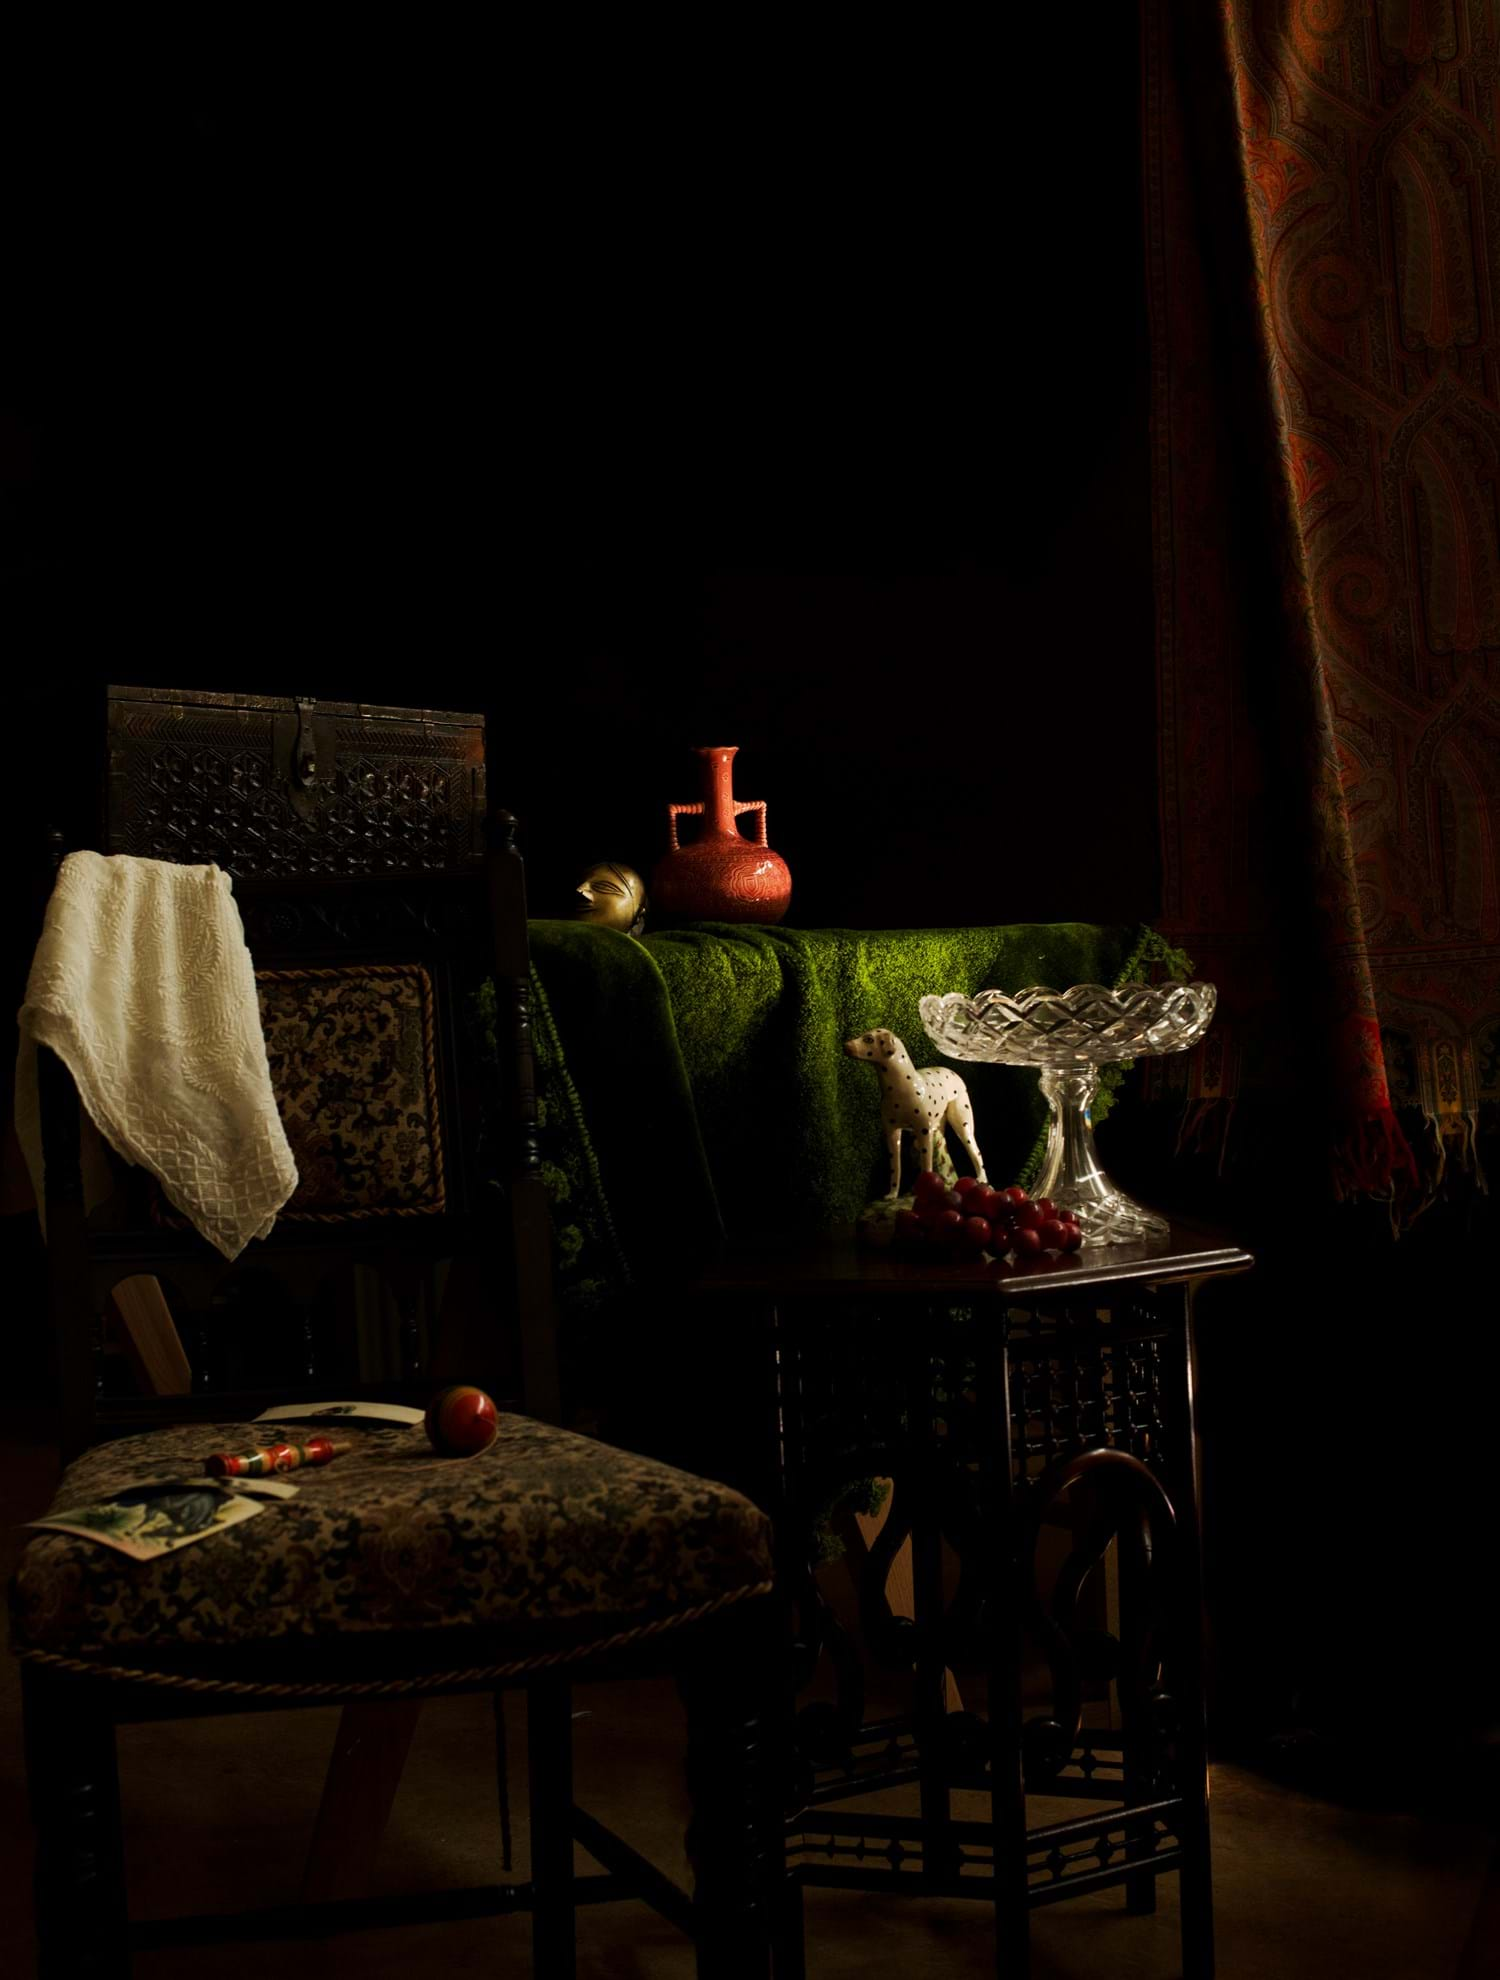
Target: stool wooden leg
549,1763
80,1864
735,1841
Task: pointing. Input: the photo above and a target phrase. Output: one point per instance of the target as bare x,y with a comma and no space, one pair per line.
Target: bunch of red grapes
972,1218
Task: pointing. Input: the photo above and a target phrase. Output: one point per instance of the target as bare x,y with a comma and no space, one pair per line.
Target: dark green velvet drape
695,1082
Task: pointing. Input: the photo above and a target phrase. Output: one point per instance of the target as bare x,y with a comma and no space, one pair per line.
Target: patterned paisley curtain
1323,240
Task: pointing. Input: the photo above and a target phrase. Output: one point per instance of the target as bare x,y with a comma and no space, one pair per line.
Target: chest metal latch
305,749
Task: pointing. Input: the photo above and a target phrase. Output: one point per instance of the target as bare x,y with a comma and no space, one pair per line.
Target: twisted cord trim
472,1679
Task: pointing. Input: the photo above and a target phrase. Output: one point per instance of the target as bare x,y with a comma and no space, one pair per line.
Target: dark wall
807,417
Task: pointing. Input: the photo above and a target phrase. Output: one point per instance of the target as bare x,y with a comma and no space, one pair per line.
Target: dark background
799,417
801,412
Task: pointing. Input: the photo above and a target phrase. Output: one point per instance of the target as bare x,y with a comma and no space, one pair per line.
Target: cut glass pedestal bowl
1068,1035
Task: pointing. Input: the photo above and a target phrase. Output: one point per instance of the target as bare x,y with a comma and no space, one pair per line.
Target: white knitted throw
142,985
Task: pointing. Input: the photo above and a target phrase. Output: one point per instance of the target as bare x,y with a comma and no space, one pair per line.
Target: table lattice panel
917,1395
1079,1377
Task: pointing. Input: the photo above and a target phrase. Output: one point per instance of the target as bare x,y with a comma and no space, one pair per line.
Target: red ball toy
461,1422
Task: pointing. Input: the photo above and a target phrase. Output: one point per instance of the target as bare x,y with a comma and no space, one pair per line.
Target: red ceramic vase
721,875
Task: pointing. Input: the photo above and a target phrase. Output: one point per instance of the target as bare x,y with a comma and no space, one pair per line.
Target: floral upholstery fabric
546,1538
352,1054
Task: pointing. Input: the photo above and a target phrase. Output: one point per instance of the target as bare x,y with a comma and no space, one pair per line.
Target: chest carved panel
266,786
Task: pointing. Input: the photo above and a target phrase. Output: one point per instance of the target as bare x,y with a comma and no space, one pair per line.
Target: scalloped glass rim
1087,1025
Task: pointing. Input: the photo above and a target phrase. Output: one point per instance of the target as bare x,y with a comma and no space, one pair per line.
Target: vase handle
673,813
757,805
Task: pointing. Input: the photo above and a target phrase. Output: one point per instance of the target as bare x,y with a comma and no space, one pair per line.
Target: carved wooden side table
989,1403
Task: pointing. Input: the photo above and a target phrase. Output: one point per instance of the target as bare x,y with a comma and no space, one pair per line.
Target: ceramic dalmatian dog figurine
920,1104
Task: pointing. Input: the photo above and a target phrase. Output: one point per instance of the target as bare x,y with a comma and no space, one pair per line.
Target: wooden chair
356,839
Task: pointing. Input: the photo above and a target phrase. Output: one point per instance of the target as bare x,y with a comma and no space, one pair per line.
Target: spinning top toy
461,1422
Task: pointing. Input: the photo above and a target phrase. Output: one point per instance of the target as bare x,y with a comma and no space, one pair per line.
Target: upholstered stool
395,1572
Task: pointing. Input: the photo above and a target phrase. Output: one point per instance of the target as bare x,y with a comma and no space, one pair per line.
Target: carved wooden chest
272,786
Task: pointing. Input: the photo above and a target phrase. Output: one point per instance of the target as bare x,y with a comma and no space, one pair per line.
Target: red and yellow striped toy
274,1458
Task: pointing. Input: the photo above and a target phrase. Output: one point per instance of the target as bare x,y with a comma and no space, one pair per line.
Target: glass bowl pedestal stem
1072,1174
1068,1035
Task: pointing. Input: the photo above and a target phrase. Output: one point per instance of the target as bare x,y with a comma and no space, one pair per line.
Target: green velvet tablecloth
696,1081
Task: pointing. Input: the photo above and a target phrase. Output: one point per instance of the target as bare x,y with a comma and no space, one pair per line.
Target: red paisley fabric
1323,241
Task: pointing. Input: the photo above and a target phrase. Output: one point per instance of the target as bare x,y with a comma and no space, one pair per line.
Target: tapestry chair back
385,916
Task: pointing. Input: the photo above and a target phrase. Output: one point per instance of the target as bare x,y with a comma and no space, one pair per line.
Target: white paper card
341,1412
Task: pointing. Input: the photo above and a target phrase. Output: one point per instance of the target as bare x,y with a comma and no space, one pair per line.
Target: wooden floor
218,1815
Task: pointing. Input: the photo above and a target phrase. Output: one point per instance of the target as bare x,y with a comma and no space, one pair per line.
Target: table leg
930,1699
900,1584
1197,1869
1007,1779
1136,1730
